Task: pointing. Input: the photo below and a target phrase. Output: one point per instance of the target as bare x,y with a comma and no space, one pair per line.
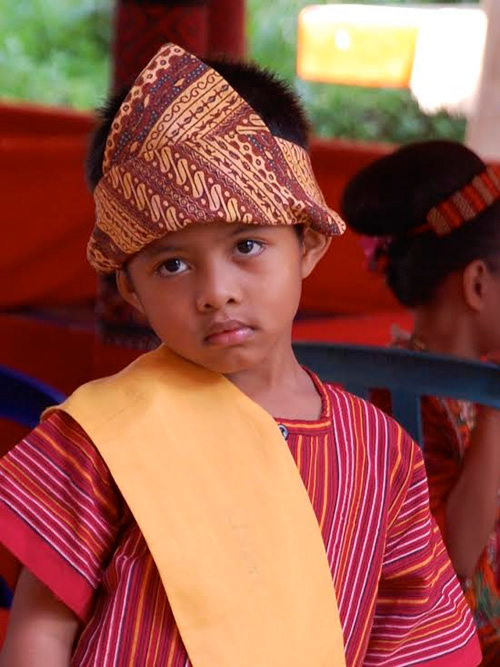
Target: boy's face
223,295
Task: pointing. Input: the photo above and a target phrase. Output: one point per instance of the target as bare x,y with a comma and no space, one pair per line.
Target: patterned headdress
185,147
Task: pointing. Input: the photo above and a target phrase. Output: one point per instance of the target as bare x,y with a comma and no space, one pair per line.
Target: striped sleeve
421,617
441,451
60,510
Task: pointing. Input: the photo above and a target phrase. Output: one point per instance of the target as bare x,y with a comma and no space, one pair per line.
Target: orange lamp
357,44
436,51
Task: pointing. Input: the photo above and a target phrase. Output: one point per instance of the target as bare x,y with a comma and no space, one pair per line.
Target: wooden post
226,28
483,129
142,26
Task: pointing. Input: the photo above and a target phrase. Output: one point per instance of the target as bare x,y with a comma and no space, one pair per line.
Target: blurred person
429,214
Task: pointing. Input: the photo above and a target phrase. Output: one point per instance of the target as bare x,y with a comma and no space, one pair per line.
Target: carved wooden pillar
142,26
226,28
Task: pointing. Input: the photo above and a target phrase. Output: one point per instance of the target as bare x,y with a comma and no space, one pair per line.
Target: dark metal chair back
24,398
405,374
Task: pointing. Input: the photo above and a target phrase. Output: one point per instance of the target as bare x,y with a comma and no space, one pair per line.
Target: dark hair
393,195
269,96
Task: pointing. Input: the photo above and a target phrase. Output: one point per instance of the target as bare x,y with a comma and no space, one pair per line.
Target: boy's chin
226,363
228,366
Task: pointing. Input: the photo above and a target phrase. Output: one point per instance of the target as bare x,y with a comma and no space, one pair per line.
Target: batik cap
186,148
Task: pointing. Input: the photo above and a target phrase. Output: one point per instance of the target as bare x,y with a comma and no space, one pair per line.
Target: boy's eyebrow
158,248
166,246
240,228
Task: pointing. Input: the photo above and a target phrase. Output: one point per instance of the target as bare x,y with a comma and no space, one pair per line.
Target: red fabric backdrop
46,209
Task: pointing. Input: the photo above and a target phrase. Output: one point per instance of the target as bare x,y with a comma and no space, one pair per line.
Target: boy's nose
217,289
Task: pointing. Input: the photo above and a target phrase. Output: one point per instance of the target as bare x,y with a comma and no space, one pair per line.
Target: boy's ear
475,279
314,247
126,289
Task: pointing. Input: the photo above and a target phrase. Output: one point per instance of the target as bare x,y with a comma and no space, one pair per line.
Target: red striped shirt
399,600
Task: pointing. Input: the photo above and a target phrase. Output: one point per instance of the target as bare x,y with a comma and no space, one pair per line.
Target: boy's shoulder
345,403
357,418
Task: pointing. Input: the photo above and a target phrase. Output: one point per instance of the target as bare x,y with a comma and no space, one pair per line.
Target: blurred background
57,52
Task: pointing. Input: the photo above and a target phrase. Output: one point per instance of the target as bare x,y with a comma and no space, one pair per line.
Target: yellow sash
220,502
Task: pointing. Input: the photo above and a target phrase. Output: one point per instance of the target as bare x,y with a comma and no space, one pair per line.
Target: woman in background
430,217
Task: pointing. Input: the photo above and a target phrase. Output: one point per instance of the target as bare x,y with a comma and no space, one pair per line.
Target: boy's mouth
228,332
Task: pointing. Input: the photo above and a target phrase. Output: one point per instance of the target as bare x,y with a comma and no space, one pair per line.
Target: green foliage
341,111
374,115
57,52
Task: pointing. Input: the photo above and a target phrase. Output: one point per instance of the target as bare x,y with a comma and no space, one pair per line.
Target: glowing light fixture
435,51
356,44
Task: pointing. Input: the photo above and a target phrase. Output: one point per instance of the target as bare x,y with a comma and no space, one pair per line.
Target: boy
159,514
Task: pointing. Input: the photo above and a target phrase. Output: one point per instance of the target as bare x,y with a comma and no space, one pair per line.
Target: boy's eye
249,247
171,266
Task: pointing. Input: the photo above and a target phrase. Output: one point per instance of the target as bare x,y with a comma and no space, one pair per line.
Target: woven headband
462,206
185,147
